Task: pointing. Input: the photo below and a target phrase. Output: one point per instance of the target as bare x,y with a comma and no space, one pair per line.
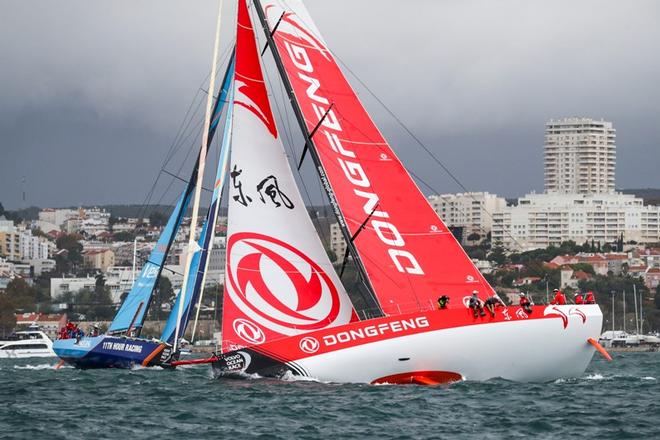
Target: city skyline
90,120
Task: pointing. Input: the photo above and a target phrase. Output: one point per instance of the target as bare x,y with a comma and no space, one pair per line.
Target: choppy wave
38,367
614,400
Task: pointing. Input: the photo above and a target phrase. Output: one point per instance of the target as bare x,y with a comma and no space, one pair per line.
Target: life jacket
590,298
579,299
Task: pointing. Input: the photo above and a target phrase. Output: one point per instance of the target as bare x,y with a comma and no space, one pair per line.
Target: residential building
541,220
580,156
57,217
471,211
60,286
34,247
337,242
10,245
100,259
40,266
119,279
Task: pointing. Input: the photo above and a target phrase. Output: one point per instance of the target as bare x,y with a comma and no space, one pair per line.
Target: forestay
409,255
278,278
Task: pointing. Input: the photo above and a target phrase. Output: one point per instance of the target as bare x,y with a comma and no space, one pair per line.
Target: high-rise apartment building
580,156
470,211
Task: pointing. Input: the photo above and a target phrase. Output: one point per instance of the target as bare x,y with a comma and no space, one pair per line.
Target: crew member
491,303
443,301
70,329
589,299
579,299
63,333
525,303
476,305
559,298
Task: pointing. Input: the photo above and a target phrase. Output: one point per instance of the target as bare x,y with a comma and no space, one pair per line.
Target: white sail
279,280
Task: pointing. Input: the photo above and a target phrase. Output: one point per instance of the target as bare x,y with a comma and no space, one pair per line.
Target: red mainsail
410,256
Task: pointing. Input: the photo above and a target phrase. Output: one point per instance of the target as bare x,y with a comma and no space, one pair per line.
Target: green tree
23,296
157,219
584,267
124,236
474,237
73,259
497,255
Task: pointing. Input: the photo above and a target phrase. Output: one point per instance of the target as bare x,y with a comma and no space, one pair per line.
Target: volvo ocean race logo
248,331
309,345
278,286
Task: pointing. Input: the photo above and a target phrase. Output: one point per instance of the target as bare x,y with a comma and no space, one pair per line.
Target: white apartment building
34,248
59,286
337,242
541,220
472,211
580,156
57,216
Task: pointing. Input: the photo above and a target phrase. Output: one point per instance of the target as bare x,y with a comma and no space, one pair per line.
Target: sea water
613,400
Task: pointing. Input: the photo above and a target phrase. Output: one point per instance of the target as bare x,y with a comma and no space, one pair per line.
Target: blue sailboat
121,346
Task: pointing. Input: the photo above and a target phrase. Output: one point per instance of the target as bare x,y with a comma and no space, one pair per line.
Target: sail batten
409,255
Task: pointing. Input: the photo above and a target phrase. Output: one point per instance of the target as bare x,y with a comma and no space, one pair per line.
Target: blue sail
199,261
133,311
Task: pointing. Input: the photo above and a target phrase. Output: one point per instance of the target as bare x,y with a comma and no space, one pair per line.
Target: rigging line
184,180
413,136
289,134
428,185
304,129
320,230
406,129
177,141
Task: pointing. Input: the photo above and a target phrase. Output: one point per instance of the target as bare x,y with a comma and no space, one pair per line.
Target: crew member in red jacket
589,299
525,303
579,299
559,298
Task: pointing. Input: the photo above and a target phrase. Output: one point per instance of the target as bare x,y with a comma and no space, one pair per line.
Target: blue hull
111,352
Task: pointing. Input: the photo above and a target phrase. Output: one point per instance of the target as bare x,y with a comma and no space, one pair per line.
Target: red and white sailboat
285,309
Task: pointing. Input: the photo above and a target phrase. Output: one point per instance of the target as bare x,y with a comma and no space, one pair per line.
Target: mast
134,258
223,165
192,245
641,313
309,145
613,314
636,316
624,310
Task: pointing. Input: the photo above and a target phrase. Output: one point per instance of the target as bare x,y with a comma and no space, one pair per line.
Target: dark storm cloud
93,92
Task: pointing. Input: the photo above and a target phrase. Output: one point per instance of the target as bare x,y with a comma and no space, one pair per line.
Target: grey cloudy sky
93,92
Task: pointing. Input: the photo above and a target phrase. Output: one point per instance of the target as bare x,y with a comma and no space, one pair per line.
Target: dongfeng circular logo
309,345
278,286
248,331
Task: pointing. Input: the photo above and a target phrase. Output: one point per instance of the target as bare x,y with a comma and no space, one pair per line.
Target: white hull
539,349
533,350
28,344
